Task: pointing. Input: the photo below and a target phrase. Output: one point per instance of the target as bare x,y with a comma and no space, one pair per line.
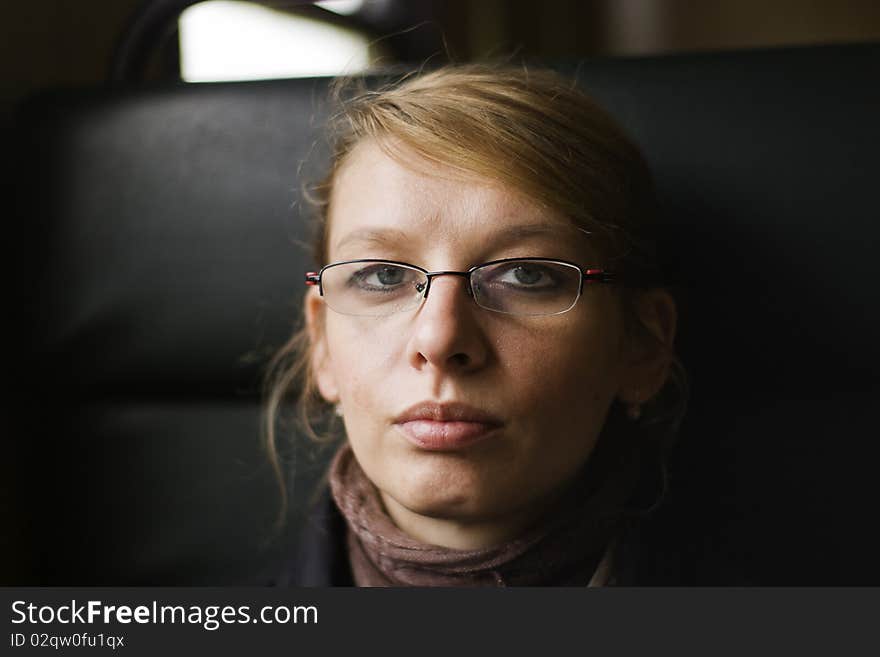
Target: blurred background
76,43
70,42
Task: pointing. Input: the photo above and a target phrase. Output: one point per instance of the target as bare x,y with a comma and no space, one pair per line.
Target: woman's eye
524,275
380,276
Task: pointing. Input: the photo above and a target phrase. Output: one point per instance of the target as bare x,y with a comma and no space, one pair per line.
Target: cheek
362,353
566,369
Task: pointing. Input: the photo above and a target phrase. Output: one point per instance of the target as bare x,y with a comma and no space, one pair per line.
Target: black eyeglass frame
592,275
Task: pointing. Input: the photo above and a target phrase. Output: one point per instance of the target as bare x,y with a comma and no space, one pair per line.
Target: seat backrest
157,263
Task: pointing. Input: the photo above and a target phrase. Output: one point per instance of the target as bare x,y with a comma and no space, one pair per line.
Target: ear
319,354
651,349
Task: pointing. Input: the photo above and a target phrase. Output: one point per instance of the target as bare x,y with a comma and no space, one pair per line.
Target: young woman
489,324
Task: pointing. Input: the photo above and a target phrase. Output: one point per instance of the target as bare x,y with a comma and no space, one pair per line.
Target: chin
438,504
442,490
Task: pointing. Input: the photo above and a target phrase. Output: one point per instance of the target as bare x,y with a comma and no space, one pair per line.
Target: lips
443,427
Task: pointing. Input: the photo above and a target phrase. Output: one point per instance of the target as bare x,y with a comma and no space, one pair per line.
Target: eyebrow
382,236
373,236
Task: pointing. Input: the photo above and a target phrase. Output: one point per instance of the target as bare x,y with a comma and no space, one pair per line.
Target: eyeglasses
515,286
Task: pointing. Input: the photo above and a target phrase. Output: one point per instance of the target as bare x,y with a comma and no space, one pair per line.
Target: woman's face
548,381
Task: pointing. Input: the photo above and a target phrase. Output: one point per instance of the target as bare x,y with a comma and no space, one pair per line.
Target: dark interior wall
69,42
47,43
567,28
43,43
647,26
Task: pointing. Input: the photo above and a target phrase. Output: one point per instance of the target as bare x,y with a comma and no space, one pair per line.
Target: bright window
230,40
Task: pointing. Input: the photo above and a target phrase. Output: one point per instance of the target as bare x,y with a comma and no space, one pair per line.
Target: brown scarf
572,547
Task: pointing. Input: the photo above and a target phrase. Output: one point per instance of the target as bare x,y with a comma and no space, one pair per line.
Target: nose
447,336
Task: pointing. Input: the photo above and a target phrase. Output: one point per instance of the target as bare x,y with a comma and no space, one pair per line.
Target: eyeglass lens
516,287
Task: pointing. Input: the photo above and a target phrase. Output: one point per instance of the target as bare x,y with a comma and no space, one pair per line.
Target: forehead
409,204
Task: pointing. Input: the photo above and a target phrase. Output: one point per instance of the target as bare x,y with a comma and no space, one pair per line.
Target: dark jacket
657,551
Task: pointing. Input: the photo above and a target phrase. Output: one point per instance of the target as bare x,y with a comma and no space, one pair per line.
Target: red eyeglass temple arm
599,275
312,278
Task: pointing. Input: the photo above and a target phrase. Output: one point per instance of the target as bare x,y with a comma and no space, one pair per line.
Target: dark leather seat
155,265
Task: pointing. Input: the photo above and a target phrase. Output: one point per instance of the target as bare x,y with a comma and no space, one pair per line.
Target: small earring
338,409
634,411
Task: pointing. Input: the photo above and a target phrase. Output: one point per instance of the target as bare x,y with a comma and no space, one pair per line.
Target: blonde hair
531,130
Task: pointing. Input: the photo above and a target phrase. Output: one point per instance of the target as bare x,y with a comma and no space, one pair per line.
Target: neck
390,545
459,534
